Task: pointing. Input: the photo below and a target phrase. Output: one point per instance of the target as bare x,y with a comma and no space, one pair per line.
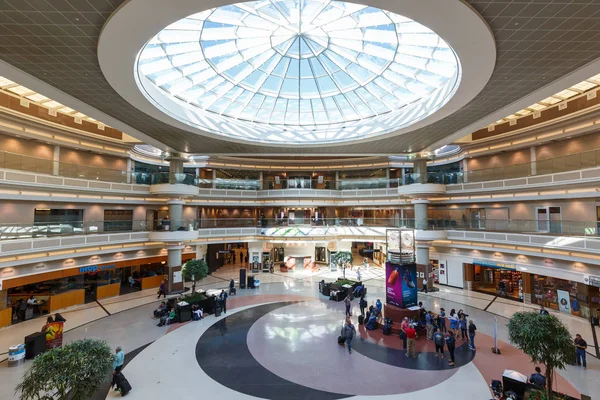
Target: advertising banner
401,284
54,335
563,301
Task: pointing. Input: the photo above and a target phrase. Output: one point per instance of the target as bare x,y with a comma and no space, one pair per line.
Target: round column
176,213
423,268
175,284
421,206
420,170
176,168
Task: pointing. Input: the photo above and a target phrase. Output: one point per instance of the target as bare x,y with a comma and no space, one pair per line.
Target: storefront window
559,294
498,281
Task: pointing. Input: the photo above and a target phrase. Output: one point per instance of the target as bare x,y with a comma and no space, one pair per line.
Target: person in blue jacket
379,306
442,320
372,322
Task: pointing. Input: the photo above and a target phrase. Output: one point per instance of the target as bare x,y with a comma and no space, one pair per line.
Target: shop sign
494,264
592,280
93,269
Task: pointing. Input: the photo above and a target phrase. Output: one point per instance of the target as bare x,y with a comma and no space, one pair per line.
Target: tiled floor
293,345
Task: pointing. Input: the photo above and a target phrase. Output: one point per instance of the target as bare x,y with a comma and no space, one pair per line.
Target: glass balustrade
69,228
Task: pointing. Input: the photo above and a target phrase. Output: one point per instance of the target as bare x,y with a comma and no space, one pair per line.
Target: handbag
402,335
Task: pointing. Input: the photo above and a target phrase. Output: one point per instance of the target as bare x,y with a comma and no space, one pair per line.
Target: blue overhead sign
495,264
92,269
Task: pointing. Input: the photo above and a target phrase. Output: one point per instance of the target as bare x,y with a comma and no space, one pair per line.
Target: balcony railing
69,228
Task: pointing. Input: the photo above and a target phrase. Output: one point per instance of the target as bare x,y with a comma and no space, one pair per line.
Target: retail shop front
489,277
73,286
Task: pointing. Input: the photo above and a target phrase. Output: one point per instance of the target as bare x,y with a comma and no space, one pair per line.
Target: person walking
348,304
429,325
502,289
438,340
234,256
450,344
348,331
424,285
162,290
231,286
472,328
580,347
118,362
411,335
362,304
223,298
442,320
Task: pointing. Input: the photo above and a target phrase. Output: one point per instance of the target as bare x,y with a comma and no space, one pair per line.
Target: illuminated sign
494,264
93,269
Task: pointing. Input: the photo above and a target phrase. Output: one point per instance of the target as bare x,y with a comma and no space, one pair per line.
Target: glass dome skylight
298,71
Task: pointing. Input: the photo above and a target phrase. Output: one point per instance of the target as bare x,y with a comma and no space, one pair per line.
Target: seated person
169,316
537,378
197,312
372,322
131,281
357,290
160,310
31,300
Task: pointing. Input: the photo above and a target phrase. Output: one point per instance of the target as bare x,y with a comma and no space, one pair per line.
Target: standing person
442,320
580,347
348,331
162,290
234,256
117,364
543,311
403,327
438,340
424,285
429,325
358,274
472,328
348,304
453,322
411,335
366,263
362,304
223,297
450,344
378,306
462,324
59,318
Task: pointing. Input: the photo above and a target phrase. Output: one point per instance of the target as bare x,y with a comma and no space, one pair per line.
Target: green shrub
75,372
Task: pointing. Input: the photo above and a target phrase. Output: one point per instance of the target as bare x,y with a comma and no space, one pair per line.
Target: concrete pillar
423,264
337,180
420,213
214,178
175,283
56,161
533,160
387,178
403,176
260,178
420,170
465,177
175,168
201,250
175,213
255,249
129,169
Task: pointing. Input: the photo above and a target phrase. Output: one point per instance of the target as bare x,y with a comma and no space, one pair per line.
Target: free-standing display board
401,284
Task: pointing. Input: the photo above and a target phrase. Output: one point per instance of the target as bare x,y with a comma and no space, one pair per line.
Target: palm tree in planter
341,258
543,338
74,372
194,270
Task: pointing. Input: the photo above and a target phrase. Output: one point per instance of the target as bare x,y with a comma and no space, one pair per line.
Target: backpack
438,339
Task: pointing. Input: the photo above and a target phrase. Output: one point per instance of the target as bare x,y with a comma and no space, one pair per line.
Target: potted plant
545,339
194,271
74,372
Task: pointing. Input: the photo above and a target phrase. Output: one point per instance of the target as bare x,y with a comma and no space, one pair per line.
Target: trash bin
184,311
16,355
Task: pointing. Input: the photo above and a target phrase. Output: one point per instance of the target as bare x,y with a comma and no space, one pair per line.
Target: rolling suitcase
122,384
361,319
387,330
341,340
217,311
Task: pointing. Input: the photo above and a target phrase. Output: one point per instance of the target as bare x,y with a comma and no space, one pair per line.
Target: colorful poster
564,304
401,284
54,335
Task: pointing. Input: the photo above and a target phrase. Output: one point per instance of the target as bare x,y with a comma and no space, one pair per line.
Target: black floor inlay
222,352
